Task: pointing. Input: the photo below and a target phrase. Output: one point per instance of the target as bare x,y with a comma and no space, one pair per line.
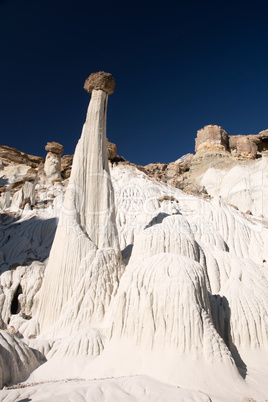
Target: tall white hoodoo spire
87,224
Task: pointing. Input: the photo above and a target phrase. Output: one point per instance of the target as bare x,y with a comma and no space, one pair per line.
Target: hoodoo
86,237
53,161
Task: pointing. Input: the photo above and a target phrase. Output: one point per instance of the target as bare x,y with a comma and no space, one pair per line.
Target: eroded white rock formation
161,324
86,237
52,166
17,360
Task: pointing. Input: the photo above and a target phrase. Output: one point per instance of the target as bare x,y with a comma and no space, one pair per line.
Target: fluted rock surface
87,224
17,360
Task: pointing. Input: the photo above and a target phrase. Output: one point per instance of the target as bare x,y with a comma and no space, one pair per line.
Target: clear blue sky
178,65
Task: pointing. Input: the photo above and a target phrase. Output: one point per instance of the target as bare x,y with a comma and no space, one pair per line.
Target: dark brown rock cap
100,80
54,147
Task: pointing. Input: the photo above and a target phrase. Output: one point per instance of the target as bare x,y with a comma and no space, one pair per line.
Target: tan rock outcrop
8,155
212,137
182,165
111,150
246,148
100,81
156,170
66,166
263,136
233,142
234,139
171,172
261,141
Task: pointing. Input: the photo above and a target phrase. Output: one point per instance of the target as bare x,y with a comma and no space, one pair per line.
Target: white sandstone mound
155,296
17,360
161,326
173,235
86,236
67,357
87,343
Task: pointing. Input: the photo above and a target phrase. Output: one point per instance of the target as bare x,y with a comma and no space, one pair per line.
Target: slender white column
88,217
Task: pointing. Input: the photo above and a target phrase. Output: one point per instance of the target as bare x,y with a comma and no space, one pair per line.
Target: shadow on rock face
3,182
221,314
15,305
25,400
157,220
25,241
